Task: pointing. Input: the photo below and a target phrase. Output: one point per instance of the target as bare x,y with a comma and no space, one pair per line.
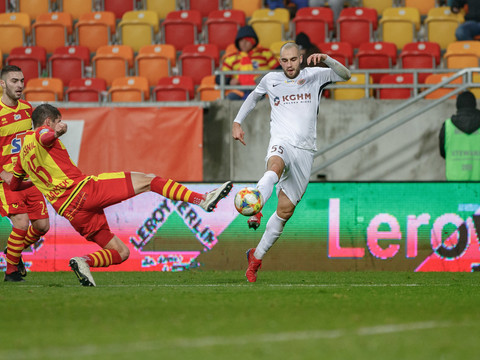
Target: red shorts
85,213
29,201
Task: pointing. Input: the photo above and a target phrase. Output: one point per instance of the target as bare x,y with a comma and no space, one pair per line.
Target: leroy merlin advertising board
336,227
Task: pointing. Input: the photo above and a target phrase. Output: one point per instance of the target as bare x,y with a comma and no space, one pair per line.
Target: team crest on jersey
17,117
43,131
301,82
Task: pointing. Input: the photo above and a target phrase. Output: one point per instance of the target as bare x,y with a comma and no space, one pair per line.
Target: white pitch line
208,341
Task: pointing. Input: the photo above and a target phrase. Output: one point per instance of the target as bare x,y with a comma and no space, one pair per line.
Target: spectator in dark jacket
460,141
471,27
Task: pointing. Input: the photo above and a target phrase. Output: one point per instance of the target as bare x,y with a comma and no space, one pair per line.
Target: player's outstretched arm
333,64
238,133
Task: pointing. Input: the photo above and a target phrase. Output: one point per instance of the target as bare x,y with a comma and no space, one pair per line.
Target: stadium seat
14,31
31,59
376,55
357,25
279,14
161,7
378,5
155,61
268,31
44,89
207,91
182,28
129,89
204,6
198,61
396,93
438,78
423,6
112,61
34,7
400,25
420,55
354,93
462,54
340,51
3,6
76,8
138,28
119,7
440,25
85,90
68,62
52,30
247,6
221,27
95,29
316,22
174,88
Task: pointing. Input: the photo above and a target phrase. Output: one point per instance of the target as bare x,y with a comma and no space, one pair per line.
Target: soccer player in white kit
294,96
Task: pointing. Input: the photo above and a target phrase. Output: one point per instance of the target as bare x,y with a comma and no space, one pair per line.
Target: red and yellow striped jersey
261,59
14,122
50,169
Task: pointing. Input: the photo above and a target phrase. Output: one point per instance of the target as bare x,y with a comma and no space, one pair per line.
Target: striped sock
14,249
32,236
175,191
103,258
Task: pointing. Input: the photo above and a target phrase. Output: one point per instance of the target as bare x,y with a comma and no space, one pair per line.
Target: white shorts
298,166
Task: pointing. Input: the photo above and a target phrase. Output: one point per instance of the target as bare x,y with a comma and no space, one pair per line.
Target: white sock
272,232
266,184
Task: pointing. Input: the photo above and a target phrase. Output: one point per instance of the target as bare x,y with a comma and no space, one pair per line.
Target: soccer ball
248,201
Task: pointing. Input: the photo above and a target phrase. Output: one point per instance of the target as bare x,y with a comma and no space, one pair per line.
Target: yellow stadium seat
138,28
355,93
424,6
76,8
279,14
378,5
161,7
400,25
268,31
440,25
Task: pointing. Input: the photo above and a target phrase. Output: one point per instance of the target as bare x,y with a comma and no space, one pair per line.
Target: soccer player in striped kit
26,209
81,198
294,96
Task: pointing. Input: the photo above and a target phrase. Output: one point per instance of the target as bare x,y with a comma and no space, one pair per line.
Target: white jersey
295,104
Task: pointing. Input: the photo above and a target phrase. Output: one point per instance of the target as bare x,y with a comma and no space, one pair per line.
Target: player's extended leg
175,191
14,248
273,230
275,166
113,253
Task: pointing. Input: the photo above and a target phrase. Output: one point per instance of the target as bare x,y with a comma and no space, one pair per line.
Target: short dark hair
8,69
42,112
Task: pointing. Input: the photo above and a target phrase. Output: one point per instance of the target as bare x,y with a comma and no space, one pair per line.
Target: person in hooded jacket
469,29
250,56
460,141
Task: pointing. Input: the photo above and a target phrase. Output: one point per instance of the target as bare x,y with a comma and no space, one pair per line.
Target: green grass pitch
200,314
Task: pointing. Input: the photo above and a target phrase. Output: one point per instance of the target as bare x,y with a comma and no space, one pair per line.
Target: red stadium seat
204,6
357,25
396,93
68,62
377,55
86,90
31,59
316,22
340,51
119,7
222,25
198,61
420,55
174,88
182,28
